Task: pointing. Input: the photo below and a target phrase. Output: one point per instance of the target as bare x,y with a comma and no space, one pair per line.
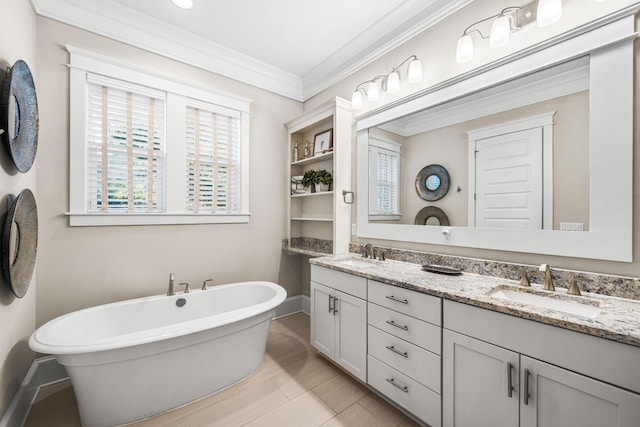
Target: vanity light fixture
549,12
387,83
183,4
509,20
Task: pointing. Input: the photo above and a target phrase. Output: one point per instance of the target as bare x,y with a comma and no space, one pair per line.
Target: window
213,161
150,149
384,170
125,148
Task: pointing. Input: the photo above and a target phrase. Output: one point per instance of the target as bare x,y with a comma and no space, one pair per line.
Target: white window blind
387,182
152,149
213,155
384,171
126,148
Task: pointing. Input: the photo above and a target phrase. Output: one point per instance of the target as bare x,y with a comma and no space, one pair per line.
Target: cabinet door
476,378
557,397
322,319
351,334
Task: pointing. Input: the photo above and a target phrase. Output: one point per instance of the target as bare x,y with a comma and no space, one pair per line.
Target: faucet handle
380,256
524,281
573,287
186,287
204,284
548,281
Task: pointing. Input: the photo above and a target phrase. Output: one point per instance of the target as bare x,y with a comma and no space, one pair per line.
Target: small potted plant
309,180
323,180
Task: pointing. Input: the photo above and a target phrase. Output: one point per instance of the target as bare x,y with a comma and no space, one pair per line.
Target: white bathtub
134,359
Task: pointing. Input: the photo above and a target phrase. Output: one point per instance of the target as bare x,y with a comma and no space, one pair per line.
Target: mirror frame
609,45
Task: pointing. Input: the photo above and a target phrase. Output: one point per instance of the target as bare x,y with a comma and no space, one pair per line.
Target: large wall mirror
538,149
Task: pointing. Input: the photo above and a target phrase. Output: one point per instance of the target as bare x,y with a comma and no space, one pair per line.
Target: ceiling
295,48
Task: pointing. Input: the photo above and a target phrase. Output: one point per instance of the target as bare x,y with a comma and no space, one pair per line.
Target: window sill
108,219
384,217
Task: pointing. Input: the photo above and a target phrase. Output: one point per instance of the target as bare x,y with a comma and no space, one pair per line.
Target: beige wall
17,316
448,147
436,48
84,266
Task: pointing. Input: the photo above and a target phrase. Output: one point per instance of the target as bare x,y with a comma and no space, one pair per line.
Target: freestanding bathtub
134,359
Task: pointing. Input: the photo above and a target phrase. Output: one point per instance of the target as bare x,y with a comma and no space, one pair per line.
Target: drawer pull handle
401,353
401,387
403,301
509,382
335,310
525,398
403,327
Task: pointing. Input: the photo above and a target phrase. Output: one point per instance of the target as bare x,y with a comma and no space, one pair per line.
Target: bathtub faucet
204,284
171,290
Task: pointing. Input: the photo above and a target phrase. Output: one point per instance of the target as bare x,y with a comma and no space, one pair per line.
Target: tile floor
294,387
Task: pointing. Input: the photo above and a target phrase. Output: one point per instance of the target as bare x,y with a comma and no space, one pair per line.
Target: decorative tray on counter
441,269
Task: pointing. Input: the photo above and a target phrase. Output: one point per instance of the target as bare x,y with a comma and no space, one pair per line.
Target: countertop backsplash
604,284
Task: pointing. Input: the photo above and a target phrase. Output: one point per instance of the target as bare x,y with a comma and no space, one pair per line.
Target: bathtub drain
180,302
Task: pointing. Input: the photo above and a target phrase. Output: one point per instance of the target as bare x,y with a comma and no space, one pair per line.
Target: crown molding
117,22
125,25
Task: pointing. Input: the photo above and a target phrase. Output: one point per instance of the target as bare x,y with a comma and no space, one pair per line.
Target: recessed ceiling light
185,4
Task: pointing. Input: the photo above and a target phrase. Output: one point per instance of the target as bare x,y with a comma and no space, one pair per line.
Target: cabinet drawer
347,283
408,328
416,304
411,360
414,397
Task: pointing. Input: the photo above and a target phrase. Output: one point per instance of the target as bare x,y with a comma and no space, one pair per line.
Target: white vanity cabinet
493,374
339,318
404,347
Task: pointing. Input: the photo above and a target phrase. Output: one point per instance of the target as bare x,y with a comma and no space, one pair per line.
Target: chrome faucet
171,290
548,281
204,284
367,251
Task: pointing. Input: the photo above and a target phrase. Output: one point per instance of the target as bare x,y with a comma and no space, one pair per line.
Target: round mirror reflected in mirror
432,220
431,215
433,182
14,117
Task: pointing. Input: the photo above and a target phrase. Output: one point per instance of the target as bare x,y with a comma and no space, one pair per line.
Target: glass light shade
500,32
464,51
184,4
373,92
393,82
356,100
415,71
549,11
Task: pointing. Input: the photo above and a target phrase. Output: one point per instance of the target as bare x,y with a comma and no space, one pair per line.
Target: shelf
313,219
319,193
315,159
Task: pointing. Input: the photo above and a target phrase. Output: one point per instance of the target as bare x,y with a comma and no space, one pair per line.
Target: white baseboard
295,304
43,371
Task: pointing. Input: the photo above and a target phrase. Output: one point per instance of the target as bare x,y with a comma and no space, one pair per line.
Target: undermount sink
569,306
356,263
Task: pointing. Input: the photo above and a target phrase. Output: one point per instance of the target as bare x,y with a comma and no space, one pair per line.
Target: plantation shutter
126,147
384,172
387,182
214,173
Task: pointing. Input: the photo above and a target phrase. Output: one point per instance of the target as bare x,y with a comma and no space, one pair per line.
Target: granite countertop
618,318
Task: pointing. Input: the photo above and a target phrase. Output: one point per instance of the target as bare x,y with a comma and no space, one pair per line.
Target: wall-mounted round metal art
431,215
432,182
19,116
20,242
